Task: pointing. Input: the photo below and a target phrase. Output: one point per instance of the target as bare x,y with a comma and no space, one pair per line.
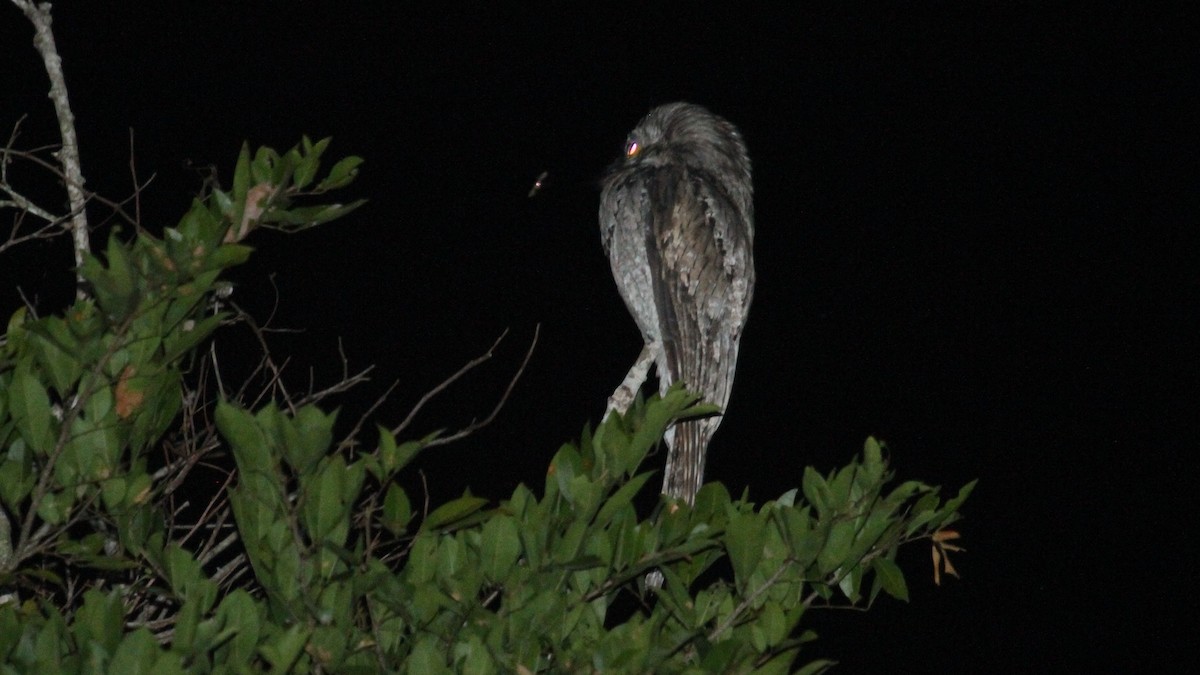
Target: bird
677,224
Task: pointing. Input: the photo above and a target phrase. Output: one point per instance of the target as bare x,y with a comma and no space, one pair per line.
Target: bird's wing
703,279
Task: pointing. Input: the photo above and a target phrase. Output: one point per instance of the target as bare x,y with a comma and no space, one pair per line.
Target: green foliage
343,574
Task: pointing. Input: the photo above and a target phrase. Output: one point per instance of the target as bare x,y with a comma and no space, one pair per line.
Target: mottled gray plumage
677,222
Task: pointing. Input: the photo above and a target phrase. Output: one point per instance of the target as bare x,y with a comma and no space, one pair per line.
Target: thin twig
475,426
118,207
348,440
429,395
748,602
276,370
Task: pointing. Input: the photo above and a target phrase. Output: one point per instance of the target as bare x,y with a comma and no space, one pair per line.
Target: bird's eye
632,148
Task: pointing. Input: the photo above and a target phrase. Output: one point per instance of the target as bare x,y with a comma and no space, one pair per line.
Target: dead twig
475,425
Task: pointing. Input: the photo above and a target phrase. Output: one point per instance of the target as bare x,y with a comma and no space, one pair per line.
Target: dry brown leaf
941,560
128,398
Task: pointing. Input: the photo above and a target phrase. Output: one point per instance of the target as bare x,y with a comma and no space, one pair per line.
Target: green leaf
422,560
306,171
228,255
890,578
964,492
922,512
187,621
499,546
305,438
452,512
136,655
324,503
251,449
711,503
120,268
100,619
55,507
56,350
138,526
188,334
138,489
816,491
262,169
744,541
787,499
283,649
805,542
850,582
395,457
16,475
622,498
342,173
773,623
873,464
241,178
906,490
304,217
224,204
426,657
839,487
16,332
871,529
563,467
188,580
779,664
837,547
162,398
113,492
239,612
30,407
397,510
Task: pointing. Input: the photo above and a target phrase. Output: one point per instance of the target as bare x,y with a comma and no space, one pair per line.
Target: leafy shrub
315,560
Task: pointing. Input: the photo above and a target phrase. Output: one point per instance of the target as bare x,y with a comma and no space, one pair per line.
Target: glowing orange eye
632,148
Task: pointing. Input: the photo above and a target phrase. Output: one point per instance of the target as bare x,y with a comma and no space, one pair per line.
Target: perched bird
677,222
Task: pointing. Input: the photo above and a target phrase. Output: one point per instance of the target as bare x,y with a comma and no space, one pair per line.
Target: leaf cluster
341,573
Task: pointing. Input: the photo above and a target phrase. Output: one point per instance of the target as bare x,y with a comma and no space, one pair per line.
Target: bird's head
686,135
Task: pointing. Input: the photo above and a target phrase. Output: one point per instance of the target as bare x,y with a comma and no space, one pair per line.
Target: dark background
974,240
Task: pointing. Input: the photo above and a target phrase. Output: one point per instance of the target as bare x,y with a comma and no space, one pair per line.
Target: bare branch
429,395
137,189
475,426
276,379
348,441
39,16
118,208
345,384
21,203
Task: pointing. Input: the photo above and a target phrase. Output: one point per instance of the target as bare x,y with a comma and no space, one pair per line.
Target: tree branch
68,156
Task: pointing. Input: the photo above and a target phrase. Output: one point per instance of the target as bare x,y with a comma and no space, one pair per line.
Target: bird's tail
688,442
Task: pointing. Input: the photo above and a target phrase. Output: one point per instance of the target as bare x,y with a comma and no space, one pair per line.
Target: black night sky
973,239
